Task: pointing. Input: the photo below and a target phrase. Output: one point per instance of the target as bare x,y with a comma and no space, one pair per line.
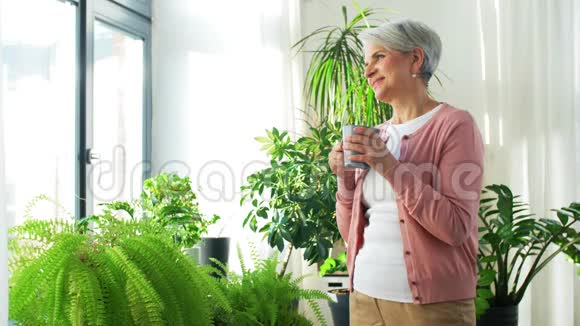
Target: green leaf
562,216
486,277
481,306
488,259
485,293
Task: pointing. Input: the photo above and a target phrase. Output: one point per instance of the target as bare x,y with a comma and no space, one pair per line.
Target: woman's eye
380,56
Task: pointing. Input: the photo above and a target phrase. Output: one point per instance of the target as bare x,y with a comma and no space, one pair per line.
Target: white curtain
3,220
220,81
530,66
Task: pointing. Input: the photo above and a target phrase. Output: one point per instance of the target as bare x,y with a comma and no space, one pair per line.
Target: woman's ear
418,56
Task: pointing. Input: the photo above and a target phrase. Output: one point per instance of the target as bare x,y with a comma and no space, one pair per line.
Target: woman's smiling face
388,72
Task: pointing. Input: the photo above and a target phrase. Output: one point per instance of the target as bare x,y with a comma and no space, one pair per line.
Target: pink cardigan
437,183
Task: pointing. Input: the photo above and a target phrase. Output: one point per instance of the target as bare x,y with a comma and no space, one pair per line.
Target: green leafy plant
262,297
102,271
335,83
332,265
170,200
295,195
510,235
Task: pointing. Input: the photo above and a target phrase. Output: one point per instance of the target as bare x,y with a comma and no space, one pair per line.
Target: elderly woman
410,221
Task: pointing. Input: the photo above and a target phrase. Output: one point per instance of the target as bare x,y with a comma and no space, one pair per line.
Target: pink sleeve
344,199
448,209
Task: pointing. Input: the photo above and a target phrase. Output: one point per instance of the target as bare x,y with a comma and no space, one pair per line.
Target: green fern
102,271
262,297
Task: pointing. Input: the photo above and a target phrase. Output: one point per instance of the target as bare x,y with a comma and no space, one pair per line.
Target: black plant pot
218,248
499,316
340,309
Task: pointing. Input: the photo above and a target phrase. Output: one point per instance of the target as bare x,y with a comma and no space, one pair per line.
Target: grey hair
405,35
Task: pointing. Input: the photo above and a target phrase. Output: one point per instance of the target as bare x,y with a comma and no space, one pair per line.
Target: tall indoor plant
295,196
509,236
335,84
300,186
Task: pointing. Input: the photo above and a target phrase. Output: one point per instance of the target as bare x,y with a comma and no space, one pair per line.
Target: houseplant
295,195
335,83
260,296
103,271
170,200
509,236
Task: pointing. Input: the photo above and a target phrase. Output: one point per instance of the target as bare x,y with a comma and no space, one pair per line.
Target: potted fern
260,296
509,236
103,271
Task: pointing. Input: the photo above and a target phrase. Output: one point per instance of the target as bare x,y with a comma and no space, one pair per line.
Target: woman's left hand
373,150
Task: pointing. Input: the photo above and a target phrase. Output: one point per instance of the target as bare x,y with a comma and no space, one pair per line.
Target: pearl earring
414,75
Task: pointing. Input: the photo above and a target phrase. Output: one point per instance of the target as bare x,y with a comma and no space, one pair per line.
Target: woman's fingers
357,139
355,147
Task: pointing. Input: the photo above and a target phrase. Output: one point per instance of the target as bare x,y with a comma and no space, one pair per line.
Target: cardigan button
417,298
414,283
407,252
402,221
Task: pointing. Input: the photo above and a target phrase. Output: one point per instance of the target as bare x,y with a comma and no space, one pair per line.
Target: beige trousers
367,311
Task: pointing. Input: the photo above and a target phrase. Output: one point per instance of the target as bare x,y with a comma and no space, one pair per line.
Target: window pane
39,99
117,116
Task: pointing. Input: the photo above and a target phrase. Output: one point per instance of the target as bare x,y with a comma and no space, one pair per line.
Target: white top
380,267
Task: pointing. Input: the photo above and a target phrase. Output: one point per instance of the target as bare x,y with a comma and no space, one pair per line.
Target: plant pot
495,316
193,253
218,248
340,308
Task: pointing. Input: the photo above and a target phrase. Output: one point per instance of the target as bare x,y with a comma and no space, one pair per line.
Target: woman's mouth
376,82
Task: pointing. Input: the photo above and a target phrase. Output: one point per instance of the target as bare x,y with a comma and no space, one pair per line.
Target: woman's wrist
346,184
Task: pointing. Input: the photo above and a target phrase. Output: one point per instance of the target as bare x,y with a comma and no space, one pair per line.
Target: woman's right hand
336,162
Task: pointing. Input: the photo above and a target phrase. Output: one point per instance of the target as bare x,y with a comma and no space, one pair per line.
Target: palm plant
510,236
335,85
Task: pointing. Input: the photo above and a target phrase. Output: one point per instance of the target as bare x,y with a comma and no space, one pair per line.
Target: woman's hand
372,149
336,162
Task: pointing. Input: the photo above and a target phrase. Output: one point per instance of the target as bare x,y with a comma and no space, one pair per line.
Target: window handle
92,157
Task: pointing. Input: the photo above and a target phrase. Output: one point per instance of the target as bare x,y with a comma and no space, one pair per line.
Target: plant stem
285,264
535,270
